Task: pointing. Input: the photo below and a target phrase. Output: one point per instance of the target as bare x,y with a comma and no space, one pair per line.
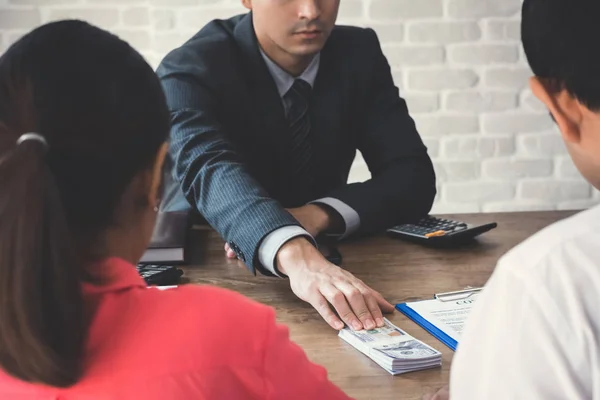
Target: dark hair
560,38
102,111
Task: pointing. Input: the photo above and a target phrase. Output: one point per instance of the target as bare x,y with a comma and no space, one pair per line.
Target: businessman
268,110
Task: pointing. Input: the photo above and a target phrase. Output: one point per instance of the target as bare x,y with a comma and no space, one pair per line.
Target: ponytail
42,328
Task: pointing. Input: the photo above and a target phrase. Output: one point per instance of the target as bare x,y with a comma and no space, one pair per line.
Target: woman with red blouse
83,126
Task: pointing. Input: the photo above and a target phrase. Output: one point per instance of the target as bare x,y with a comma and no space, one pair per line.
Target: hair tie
32,136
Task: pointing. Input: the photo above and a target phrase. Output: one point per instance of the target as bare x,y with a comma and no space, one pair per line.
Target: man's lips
310,33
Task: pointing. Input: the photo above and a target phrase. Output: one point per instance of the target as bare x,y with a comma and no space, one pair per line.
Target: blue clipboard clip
457,295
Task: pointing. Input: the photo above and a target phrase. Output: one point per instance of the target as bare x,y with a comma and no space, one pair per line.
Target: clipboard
430,327
458,295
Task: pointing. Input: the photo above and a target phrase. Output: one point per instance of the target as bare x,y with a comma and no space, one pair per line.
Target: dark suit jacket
229,141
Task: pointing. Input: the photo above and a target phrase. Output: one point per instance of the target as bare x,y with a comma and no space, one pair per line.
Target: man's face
579,126
585,151
297,27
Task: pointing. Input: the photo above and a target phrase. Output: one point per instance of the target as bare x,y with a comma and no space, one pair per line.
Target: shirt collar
113,274
284,80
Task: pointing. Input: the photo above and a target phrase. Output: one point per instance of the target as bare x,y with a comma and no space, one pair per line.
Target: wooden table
400,271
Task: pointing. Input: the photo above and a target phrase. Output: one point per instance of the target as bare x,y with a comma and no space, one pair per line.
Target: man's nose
309,9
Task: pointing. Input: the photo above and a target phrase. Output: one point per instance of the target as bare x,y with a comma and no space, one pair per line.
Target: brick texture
458,63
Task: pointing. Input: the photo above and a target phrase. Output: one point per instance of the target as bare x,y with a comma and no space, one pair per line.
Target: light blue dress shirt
271,244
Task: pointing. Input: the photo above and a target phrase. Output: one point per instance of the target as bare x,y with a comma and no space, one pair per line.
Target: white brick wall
458,63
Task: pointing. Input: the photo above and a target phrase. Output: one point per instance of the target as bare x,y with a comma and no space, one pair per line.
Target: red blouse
190,342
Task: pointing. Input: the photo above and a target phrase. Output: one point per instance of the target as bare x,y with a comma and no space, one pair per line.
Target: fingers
384,305
358,303
373,300
338,300
359,306
322,307
373,305
229,253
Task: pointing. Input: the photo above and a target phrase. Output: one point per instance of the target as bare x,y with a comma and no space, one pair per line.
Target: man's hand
442,394
320,283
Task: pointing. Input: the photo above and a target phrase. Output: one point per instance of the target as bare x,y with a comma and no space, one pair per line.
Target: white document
449,316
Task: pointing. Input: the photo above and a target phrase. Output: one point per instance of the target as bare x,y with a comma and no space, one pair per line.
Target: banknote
393,349
388,336
412,349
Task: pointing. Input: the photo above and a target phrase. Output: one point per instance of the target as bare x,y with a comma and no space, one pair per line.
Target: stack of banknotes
393,349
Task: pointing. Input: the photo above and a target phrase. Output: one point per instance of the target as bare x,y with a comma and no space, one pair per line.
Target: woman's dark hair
101,109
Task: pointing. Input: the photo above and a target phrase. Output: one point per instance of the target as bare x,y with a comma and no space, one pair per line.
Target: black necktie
299,122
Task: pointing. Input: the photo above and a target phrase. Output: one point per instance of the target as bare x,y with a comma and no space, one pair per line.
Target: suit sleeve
402,187
289,374
207,167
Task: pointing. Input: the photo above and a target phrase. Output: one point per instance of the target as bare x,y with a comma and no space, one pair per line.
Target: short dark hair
101,109
560,38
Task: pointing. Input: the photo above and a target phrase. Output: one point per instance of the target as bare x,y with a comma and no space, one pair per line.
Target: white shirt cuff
270,245
349,215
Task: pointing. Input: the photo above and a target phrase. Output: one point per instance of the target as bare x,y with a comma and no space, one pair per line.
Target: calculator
159,275
439,232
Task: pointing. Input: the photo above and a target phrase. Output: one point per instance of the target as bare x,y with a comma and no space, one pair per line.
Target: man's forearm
209,171
237,207
404,191
345,220
317,218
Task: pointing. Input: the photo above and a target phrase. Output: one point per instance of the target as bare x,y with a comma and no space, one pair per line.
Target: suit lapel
264,98
327,113
267,112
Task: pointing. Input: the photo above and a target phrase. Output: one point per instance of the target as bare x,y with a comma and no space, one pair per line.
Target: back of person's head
560,38
100,110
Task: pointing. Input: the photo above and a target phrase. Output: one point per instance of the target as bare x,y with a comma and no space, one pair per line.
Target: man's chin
307,49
